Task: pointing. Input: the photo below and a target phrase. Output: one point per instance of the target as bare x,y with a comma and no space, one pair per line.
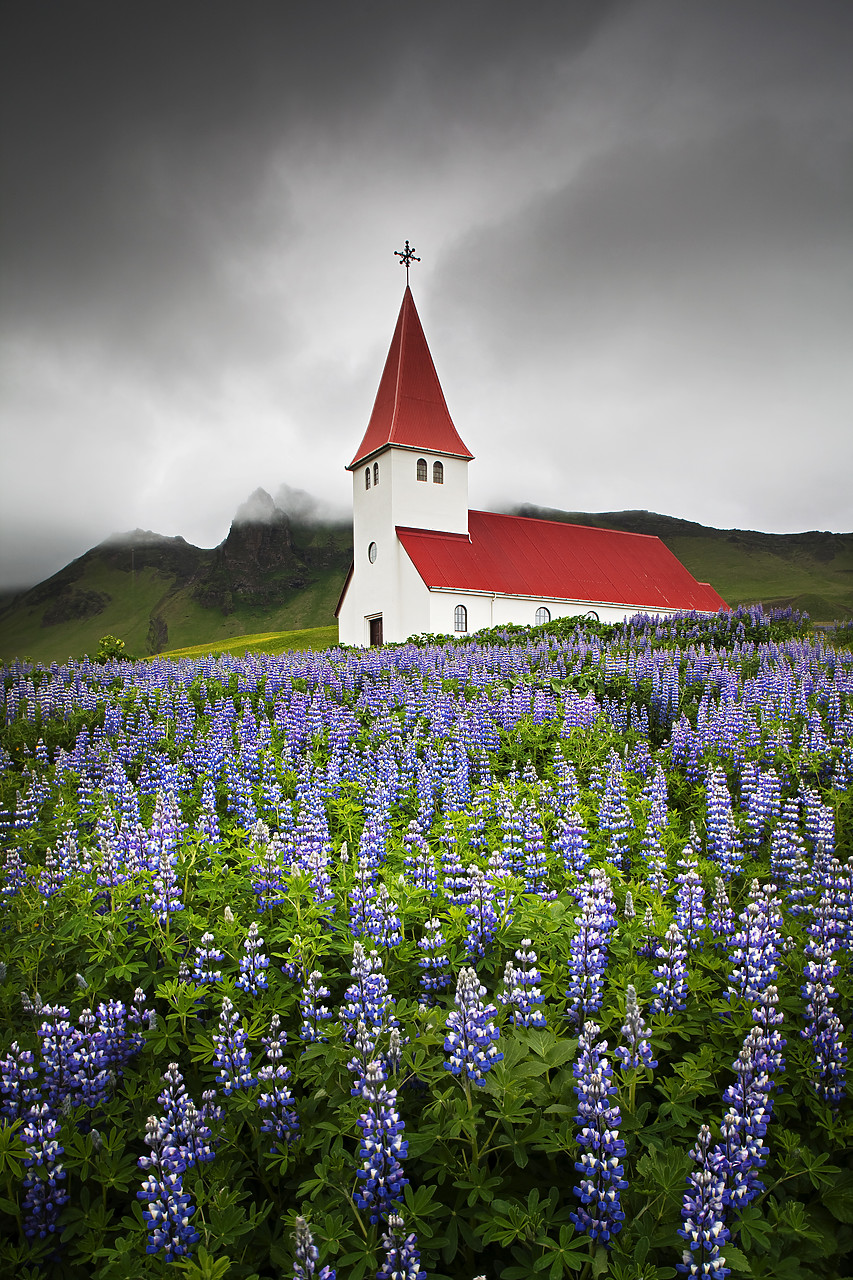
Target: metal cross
406,257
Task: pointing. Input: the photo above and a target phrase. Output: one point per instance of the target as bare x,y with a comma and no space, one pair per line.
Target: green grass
135,600
265,642
749,575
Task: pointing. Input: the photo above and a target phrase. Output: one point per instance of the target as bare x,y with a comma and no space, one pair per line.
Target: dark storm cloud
632,216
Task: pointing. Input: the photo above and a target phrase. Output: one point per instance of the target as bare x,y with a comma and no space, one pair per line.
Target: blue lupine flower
434,963
382,1147
470,1032
231,1055
521,988
671,988
19,1083
702,1215
275,1097
43,1197
588,948
689,901
636,1051
367,999
207,957
313,1010
600,1213
252,977
480,912
402,1257
168,1209
307,1256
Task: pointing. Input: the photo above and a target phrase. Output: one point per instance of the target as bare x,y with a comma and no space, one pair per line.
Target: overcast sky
635,220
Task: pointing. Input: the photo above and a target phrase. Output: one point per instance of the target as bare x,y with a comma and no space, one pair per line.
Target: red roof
513,555
410,409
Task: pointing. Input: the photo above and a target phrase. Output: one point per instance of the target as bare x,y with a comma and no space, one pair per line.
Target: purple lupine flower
435,966
722,918
521,988
382,1147
824,1030
402,1257
470,1032
312,1008
207,956
19,1084
600,1213
636,1051
671,987
724,844
231,1055
168,1208
535,864
689,901
702,1215
419,859
112,1030
382,922
588,948
252,977
614,815
756,944
571,841
58,1043
140,1017
367,999
187,1126
306,1255
43,1197
361,896
275,1097
480,912
267,868
89,1076
741,1150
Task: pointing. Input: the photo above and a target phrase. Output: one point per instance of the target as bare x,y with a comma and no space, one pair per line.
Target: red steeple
410,409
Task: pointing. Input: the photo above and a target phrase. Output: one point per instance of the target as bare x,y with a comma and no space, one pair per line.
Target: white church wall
423,504
487,610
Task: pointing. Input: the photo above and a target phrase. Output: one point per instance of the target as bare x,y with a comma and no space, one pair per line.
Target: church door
375,631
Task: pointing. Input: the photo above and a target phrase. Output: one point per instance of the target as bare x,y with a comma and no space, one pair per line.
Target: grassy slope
135,600
266,642
744,575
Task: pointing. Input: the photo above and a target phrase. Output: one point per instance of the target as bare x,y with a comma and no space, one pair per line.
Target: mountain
283,564
273,572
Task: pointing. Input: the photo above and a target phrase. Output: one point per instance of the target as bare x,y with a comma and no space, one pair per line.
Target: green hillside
274,575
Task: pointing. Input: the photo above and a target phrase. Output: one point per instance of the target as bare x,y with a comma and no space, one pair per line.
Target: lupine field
523,955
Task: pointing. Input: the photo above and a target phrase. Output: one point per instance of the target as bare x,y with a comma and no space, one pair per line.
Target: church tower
410,471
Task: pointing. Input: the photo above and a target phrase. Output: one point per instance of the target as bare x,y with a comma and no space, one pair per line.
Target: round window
371,552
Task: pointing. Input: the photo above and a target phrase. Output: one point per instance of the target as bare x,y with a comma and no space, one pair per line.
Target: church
424,563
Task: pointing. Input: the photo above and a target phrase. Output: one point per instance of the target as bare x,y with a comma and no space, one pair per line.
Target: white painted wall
391,586
485,610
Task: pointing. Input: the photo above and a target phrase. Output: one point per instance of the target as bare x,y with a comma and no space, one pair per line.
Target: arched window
438,473
376,473
460,613
367,477
543,615
422,469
